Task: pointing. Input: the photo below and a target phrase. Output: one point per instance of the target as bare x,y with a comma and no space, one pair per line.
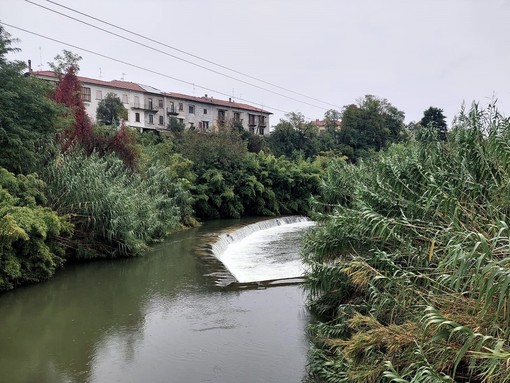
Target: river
157,318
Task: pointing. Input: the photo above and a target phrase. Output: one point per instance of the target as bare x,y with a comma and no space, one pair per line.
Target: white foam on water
266,253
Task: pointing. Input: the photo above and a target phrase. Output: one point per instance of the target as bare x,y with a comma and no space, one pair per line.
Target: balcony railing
148,107
172,110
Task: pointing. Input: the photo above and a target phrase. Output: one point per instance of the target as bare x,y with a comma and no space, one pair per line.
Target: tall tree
68,93
371,124
294,136
111,110
434,118
28,117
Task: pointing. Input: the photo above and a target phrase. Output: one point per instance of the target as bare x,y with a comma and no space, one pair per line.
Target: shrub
30,235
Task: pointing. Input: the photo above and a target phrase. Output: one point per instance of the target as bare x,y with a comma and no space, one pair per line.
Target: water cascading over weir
261,253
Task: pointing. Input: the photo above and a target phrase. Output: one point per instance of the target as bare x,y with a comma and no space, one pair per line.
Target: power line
135,66
186,53
173,56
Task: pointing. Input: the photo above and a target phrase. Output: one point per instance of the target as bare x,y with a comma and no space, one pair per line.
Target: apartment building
151,109
208,113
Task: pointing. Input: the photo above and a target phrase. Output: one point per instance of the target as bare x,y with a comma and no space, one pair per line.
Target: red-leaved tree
68,94
124,145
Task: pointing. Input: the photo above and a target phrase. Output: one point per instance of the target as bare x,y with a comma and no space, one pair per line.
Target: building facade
151,109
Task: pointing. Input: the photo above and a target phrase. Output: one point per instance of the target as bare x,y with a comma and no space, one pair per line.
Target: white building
150,109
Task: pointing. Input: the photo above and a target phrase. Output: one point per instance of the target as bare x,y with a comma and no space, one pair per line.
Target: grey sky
415,53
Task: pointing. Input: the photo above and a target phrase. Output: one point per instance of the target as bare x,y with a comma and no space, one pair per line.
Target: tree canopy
371,124
111,110
28,118
434,118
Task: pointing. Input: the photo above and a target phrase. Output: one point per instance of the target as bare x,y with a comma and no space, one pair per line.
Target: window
161,120
137,102
237,117
221,116
192,126
149,101
181,107
125,99
261,131
181,120
205,111
151,119
137,117
262,121
170,108
251,119
160,103
192,109
85,94
99,95
205,125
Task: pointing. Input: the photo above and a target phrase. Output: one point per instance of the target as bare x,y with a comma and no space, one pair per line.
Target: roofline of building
117,84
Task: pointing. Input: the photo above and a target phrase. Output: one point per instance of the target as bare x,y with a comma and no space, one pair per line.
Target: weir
263,251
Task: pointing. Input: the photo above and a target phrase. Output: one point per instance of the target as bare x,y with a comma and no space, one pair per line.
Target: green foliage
175,126
64,62
294,137
434,118
30,250
114,212
372,124
409,268
111,110
28,118
232,182
178,172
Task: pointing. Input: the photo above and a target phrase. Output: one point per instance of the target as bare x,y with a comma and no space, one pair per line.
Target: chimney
30,66
205,95
229,99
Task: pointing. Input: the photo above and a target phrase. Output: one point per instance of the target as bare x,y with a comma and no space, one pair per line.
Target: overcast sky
414,53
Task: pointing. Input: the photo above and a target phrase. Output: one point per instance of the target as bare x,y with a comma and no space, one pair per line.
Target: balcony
149,107
172,111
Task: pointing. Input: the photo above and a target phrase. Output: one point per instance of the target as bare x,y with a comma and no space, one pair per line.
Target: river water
158,318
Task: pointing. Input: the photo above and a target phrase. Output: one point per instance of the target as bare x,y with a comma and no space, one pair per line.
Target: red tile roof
322,123
113,84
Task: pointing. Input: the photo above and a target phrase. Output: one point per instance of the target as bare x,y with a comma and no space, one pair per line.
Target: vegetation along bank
409,274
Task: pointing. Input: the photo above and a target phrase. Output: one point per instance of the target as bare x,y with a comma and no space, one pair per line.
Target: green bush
30,234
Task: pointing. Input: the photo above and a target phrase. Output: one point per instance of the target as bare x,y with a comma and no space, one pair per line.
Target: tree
371,124
294,136
332,120
63,63
68,93
435,119
111,110
175,126
28,118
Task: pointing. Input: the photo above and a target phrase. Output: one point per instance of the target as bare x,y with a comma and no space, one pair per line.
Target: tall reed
409,264
114,212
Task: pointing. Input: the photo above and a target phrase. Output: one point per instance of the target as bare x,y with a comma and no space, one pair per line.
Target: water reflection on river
151,319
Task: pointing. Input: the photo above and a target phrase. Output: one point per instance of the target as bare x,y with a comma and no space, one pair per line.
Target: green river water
156,318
